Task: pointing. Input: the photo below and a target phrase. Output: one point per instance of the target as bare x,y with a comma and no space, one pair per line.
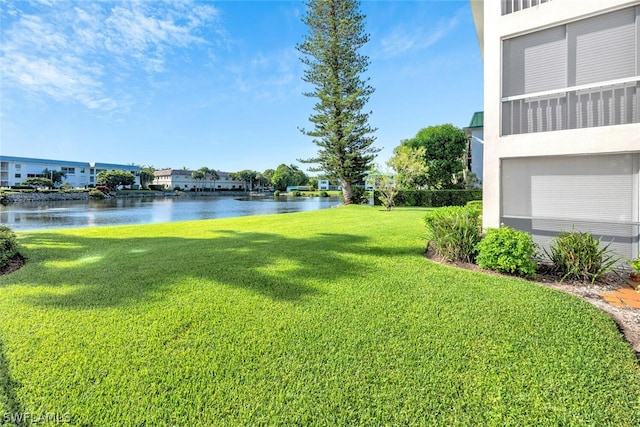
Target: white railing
510,6
609,103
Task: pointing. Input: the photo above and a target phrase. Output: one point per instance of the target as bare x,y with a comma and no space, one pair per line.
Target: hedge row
432,198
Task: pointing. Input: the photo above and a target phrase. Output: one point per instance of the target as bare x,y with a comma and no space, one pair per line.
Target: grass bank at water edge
330,317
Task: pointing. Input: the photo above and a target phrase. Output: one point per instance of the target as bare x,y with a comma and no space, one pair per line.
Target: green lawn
330,317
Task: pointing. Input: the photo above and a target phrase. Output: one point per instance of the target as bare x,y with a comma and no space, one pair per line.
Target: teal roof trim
477,121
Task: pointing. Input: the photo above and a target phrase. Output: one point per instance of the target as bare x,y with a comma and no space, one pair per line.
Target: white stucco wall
608,139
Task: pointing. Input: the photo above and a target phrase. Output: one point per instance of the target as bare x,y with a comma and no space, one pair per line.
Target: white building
561,117
14,170
475,148
172,179
327,185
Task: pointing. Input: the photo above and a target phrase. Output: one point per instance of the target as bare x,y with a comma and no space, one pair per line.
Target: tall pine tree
334,66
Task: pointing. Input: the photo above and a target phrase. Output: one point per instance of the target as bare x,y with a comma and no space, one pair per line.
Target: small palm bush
507,250
8,246
96,194
453,232
578,256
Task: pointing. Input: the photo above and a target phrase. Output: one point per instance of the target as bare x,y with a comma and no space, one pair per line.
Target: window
81,170
578,75
592,193
510,6
69,171
18,167
18,175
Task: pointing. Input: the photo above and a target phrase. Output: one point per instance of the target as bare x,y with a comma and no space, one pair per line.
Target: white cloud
72,51
272,76
409,37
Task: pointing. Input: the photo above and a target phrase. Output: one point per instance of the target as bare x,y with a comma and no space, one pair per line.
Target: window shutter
535,62
605,47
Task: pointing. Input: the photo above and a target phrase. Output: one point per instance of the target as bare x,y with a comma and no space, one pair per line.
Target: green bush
296,193
96,194
507,250
360,196
578,256
156,187
276,193
8,246
432,198
453,232
324,194
475,205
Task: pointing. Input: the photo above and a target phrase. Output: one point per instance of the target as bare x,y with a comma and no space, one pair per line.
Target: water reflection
64,214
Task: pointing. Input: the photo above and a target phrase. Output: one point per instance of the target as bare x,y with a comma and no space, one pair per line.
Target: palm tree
198,175
205,172
213,174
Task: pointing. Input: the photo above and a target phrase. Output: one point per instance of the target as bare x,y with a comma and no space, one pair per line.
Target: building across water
14,170
182,179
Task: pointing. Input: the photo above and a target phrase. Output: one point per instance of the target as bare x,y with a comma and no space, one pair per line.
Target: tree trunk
347,192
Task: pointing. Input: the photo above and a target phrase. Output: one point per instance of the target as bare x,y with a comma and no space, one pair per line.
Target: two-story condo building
14,170
561,117
172,179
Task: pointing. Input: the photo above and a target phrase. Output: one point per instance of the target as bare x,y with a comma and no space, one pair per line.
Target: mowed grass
330,317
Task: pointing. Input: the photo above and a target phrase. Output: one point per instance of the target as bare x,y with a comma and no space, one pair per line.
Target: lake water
120,211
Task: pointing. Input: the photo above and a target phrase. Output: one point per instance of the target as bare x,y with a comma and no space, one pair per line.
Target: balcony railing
607,104
510,6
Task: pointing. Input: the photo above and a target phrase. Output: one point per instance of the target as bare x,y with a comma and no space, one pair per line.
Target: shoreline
82,195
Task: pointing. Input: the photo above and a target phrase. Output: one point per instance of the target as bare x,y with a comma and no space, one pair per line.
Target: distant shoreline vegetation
32,195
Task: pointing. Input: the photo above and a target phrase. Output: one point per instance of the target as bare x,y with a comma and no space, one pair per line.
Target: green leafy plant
579,256
507,250
635,264
453,232
8,245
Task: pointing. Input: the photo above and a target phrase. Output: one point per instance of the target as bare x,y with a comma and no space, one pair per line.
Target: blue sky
214,83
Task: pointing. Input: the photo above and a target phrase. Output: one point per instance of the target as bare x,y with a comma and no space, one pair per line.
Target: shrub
156,187
324,194
633,263
276,193
360,196
8,246
432,198
578,256
475,205
177,188
96,194
296,193
102,188
453,232
507,250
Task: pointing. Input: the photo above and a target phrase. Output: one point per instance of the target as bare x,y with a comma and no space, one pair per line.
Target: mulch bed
14,264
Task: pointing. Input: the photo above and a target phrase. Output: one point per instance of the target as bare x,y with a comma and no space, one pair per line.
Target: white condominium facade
172,179
562,117
14,170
